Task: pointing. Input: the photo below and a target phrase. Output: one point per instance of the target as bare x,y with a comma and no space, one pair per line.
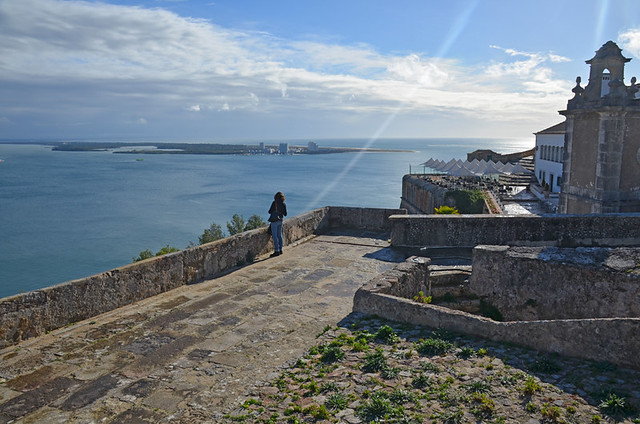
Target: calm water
67,215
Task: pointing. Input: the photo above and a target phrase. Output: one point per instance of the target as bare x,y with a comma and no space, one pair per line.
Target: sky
226,70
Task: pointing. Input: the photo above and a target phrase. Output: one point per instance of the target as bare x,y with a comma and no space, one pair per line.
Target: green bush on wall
467,201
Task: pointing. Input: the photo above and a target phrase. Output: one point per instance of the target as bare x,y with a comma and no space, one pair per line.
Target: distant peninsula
206,148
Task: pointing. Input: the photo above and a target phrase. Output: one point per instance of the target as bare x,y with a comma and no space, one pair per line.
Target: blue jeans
276,233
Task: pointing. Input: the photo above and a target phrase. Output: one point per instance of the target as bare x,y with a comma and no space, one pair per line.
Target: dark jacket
277,211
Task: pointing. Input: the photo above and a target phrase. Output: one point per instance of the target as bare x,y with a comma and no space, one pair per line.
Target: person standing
277,212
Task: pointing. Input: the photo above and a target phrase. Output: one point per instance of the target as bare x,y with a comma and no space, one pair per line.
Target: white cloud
413,69
630,41
98,61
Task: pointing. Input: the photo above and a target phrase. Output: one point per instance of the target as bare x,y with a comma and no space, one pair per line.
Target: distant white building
549,156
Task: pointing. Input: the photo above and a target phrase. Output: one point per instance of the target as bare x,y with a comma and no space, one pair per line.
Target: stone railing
524,230
615,340
31,314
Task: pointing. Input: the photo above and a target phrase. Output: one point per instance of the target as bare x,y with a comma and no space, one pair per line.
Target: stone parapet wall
526,230
370,219
421,196
529,283
34,313
615,340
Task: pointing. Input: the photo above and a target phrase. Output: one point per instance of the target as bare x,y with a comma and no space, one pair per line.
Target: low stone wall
525,230
527,283
615,340
30,314
369,219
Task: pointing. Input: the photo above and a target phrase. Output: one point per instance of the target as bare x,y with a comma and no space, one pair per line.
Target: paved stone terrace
191,354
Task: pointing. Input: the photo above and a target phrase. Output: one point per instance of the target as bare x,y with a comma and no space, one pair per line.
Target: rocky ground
369,370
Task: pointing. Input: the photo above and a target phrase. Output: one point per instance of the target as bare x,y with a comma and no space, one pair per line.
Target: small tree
254,222
446,210
213,233
236,225
167,249
145,254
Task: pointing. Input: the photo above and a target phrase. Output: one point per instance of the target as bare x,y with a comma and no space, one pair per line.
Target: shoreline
197,148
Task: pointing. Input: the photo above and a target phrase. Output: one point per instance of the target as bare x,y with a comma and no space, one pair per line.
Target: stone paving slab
193,353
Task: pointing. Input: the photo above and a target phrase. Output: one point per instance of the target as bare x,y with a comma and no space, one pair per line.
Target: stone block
533,283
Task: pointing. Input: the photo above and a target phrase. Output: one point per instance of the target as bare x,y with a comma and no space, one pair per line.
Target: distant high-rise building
284,148
262,146
601,166
312,147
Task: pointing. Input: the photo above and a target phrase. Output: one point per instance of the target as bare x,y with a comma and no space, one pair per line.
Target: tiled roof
556,129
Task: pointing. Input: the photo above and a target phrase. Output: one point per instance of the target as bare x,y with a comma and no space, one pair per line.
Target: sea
68,215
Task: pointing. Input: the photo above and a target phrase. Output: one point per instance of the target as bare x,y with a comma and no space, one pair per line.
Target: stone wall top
526,230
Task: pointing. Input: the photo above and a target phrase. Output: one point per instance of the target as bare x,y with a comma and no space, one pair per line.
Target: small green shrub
431,367
400,396
531,407
485,406
615,405
545,365
449,416
466,352
251,401
317,412
337,401
387,335
312,388
332,354
421,298
432,347
551,413
530,386
379,409
389,372
479,386
360,346
329,387
374,361
446,210
422,381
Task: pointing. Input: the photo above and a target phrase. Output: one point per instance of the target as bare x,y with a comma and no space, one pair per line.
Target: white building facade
549,156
